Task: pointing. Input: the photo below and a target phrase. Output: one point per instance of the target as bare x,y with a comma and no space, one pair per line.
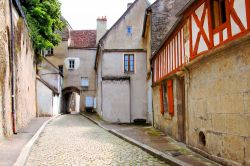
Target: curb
23,156
167,158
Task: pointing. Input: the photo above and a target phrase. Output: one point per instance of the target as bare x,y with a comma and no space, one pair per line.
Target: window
129,63
89,102
60,69
129,30
71,64
84,81
166,97
219,15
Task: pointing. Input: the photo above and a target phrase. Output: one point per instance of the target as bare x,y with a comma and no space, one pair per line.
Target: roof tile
82,39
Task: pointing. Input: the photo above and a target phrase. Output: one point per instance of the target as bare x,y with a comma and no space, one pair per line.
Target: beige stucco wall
116,101
25,82
111,59
72,78
218,104
113,67
25,100
118,37
5,95
44,99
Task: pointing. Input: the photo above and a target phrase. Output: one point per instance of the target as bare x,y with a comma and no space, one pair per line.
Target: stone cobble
74,140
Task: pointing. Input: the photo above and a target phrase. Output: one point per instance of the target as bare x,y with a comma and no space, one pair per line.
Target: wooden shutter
161,100
170,97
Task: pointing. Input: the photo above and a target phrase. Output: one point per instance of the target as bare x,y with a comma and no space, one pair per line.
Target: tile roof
82,39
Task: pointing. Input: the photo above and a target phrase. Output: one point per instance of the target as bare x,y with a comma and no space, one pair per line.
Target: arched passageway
70,100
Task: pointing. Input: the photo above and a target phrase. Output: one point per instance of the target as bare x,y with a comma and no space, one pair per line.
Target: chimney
129,4
101,28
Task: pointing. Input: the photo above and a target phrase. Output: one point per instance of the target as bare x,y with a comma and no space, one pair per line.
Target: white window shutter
66,62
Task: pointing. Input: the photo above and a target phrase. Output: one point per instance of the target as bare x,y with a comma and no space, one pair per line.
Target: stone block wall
218,104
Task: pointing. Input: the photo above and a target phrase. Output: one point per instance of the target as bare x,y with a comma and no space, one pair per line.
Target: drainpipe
13,111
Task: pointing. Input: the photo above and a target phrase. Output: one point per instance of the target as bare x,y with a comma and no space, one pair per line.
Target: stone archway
70,100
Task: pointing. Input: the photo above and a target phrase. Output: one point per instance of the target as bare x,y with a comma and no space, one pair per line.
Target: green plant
44,20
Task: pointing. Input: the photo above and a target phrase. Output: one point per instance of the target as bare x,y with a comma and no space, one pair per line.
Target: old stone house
17,71
201,79
75,57
121,68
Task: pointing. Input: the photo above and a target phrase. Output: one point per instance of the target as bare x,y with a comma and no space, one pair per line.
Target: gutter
13,111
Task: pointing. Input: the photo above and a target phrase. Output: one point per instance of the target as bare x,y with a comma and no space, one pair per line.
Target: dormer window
218,10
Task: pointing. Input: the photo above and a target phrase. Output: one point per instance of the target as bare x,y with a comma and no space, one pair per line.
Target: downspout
13,111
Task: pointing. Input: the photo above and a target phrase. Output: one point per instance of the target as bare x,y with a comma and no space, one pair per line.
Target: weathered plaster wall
118,37
5,96
116,101
218,104
113,67
44,99
25,78
25,100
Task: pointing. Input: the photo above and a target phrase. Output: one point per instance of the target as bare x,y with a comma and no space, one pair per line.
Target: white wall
44,99
116,101
113,66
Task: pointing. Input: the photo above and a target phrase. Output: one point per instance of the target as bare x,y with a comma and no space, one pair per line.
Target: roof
178,8
82,39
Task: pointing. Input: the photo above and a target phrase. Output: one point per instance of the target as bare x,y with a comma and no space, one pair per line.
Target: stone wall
5,95
166,122
218,104
25,77
25,100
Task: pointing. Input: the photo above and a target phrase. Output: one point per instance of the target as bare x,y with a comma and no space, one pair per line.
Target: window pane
131,57
126,57
131,62
131,68
126,68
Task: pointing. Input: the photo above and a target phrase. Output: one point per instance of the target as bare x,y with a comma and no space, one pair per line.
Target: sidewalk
11,148
153,141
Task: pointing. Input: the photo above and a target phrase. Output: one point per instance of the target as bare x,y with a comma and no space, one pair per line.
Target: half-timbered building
201,79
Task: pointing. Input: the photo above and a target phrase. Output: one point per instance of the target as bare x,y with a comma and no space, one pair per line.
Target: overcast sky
82,14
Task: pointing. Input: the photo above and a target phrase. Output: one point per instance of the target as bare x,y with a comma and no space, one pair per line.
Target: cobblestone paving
74,140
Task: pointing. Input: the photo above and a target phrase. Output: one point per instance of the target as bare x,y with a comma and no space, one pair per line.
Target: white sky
82,14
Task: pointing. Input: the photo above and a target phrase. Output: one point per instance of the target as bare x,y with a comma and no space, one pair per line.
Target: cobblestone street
74,140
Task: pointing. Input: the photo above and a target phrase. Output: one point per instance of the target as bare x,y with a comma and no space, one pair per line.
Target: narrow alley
74,140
